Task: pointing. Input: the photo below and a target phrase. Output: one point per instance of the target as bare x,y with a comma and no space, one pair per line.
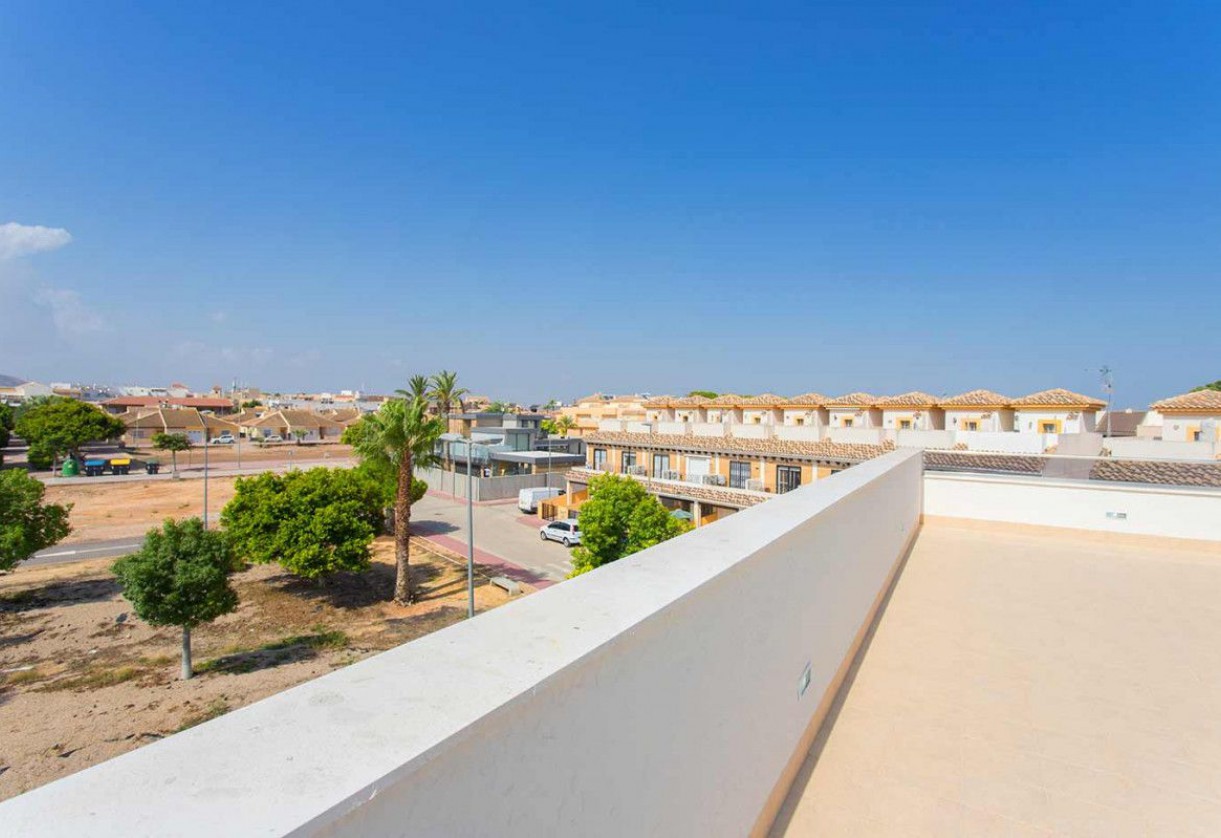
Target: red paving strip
503,567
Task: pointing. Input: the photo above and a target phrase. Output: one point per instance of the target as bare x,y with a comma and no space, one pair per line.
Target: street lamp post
205,509
470,530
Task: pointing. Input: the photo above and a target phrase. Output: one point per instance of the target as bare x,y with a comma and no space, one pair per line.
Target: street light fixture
470,529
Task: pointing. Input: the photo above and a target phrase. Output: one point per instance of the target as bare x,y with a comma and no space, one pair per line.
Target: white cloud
219,316
72,318
22,239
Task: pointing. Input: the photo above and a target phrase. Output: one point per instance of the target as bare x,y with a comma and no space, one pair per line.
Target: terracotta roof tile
915,398
976,398
855,400
1206,400
807,400
1057,397
797,449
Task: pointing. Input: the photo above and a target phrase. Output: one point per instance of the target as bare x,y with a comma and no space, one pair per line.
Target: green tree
381,470
27,525
59,426
6,427
620,518
299,434
564,424
312,523
179,577
399,437
251,403
445,391
708,394
418,387
499,406
1215,385
172,443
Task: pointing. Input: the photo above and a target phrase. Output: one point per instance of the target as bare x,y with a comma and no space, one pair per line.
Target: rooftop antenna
1108,387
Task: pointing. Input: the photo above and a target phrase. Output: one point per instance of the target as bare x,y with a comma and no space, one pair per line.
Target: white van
527,499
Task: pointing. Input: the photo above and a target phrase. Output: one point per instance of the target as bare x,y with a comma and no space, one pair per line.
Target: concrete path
501,531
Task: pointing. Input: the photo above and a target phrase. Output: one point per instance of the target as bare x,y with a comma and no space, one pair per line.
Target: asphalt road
84,551
499,530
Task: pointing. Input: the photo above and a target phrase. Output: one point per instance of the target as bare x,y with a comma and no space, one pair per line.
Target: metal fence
486,488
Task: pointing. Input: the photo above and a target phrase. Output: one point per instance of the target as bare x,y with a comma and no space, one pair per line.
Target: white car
567,533
223,439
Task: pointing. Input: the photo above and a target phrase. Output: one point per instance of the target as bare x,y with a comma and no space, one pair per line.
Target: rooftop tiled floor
1029,683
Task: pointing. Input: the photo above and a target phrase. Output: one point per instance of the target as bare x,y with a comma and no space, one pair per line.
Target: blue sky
554,200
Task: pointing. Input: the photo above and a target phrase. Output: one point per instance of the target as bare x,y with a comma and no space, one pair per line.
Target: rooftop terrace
1028,682
1019,679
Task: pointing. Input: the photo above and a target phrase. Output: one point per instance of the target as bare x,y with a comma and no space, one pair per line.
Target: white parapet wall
1160,449
669,693
924,439
1003,441
1101,506
864,436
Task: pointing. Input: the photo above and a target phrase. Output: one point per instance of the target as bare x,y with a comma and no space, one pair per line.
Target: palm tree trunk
402,533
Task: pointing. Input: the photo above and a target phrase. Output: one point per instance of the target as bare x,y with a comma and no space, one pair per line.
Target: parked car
273,438
527,499
567,533
223,439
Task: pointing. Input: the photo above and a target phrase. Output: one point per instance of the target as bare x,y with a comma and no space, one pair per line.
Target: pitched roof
797,449
156,401
976,398
692,401
659,401
807,399
1057,397
167,419
915,398
724,400
1204,400
761,399
854,400
294,419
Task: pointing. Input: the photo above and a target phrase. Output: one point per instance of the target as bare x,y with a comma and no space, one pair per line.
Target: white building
1191,417
914,411
1056,411
978,410
806,410
854,410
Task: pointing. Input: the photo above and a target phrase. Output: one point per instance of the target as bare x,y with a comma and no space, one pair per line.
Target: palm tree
418,387
401,436
564,424
446,391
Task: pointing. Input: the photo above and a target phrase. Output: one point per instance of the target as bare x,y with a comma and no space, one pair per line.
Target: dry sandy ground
226,455
119,510
82,679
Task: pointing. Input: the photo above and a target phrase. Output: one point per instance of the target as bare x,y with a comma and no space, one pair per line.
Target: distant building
589,411
1056,411
1191,417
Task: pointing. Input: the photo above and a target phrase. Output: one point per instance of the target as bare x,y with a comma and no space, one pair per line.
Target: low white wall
639,427
1009,443
707,429
611,424
1160,449
1077,504
869,436
924,439
672,427
751,431
800,433
659,695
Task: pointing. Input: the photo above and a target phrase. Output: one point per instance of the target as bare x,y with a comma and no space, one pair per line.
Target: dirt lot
119,510
225,456
82,679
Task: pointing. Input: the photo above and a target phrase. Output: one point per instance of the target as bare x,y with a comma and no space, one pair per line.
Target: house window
661,464
847,423
1196,436
788,478
755,419
739,473
905,424
599,459
1049,427
801,420
971,425
627,460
